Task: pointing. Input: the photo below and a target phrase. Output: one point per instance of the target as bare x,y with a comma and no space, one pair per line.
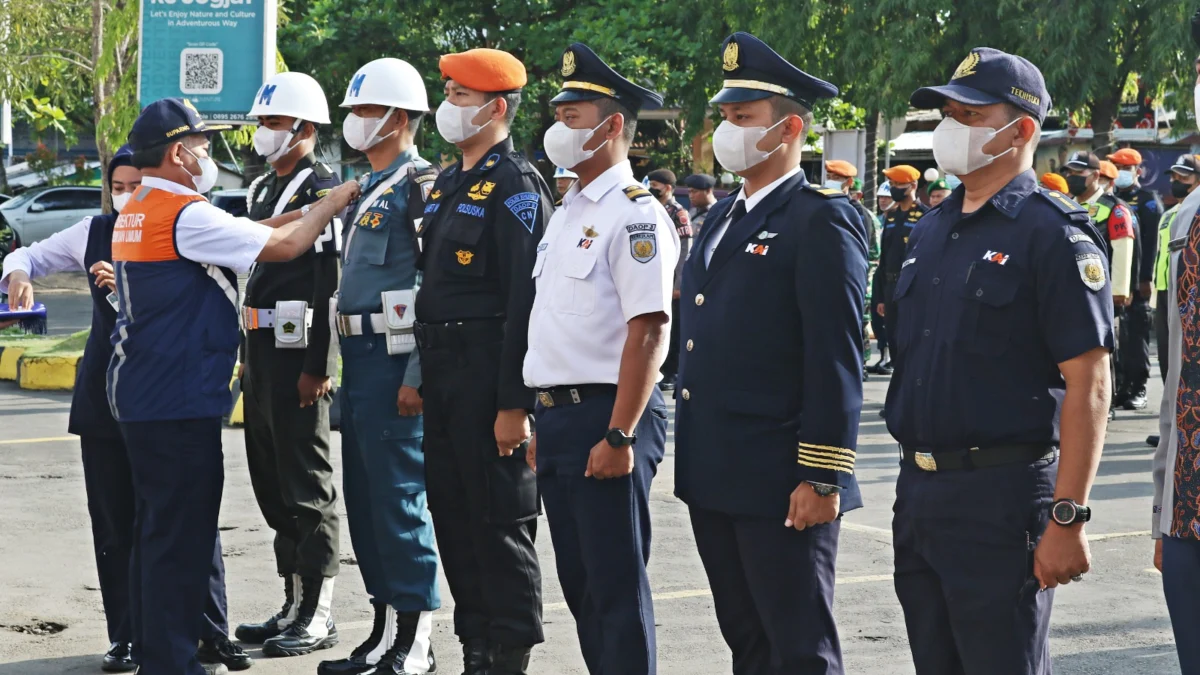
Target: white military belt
254,319
349,325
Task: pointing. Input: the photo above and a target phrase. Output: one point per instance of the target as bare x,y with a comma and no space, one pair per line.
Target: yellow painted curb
47,372
8,362
238,416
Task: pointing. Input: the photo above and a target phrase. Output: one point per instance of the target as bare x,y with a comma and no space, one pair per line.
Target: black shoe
509,660
313,628
221,650
1152,441
882,412
119,658
258,633
361,659
477,657
1136,400
866,376
667,384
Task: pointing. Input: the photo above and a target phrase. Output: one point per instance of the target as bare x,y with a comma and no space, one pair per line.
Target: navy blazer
770,372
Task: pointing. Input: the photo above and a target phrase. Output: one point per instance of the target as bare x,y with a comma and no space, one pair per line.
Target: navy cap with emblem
1083,159
700,181
166,121
1185,164
586,77
754,71
989,76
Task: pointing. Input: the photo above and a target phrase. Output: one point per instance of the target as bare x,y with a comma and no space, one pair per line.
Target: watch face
1064,512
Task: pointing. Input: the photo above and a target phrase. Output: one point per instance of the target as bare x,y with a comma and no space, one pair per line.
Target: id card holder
112,300
398,317
292,321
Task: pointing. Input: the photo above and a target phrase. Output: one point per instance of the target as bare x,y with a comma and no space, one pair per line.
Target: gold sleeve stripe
822,465
849,464
844,451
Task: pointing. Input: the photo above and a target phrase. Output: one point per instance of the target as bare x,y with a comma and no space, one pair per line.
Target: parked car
37,214
233,201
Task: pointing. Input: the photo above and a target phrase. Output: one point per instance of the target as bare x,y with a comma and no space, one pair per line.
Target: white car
37,214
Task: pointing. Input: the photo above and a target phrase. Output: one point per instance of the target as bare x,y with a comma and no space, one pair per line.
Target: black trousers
1161,333
287,449
175,567
964,543
484,506
1136,326
670,366
773,591
879,328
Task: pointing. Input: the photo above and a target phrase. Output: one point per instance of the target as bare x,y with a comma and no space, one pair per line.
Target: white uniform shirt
604,259
61,252
208,235
751,201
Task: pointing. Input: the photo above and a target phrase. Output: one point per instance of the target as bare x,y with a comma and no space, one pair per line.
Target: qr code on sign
200,70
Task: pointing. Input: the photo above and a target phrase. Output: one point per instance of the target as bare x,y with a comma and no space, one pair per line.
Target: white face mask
120,200
1124,178
958,148
564,145
736,147
273,144
208,172
362,133
457,124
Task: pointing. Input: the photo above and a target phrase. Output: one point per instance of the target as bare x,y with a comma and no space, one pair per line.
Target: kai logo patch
481,190
643,246
757,249
464,257
996,257
584,243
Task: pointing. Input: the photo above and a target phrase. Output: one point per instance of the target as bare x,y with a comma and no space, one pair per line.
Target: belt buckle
343,324
575,396
925,461
546,399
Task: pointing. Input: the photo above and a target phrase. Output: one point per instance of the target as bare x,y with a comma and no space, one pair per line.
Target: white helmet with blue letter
292,95
390,82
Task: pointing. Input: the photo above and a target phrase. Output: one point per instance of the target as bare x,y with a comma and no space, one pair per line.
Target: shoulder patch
643,246
1060,201
635,192
827,193
491,161
524,205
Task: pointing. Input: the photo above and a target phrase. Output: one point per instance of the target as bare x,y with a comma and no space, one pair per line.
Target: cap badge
967,67
730,60
188,104
568,65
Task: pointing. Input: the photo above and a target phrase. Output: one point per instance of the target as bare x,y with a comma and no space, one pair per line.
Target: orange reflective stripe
145,230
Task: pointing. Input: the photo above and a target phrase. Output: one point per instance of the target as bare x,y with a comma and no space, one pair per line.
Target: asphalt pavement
52,623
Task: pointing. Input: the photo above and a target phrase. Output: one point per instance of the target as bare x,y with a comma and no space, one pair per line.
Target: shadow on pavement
55,666
1155,660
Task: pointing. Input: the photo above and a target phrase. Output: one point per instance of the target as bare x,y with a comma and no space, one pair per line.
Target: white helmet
291,95
560,172
389,82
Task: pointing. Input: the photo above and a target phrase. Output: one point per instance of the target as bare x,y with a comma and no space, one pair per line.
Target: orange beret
484,70
902,173
840,167
1108,169
1126,157
1054,181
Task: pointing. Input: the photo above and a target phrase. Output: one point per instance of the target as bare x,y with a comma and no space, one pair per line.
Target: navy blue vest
90,414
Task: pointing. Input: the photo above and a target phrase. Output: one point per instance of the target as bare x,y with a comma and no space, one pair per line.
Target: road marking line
48,439
868,529
858,527
1118,535
446,615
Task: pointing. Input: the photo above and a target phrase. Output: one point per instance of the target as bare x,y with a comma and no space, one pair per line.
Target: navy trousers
1181,586
601,531
109,483
383,480
175,568
773,591
964,543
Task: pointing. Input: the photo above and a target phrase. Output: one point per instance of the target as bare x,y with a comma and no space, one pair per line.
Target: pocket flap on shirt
992,284
464,229
578,265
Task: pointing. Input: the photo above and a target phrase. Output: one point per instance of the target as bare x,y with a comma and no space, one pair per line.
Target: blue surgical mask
833,184
952,181
1124,178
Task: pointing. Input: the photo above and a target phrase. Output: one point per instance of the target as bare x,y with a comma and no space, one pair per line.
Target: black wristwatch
1066,512
618,439
824,489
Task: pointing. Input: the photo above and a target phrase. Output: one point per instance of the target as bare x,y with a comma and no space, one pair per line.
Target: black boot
509,660
365,656
1136,399
221,651
257,633
476,656
313,628
1152,441
119,658
412,632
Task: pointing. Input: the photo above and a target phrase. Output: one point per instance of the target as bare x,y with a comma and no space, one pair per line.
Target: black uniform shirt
312,277
480,234
897,228
1149,211
989,304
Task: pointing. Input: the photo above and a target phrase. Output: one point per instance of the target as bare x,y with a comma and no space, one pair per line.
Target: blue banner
215,53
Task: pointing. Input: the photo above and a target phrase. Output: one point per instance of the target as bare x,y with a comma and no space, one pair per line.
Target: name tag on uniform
1177,244
908,262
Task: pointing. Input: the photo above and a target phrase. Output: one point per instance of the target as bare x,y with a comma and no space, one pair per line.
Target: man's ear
1026,129
793,128
500,109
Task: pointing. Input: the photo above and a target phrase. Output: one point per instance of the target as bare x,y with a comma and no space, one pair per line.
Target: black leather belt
927,459
572,394
458,333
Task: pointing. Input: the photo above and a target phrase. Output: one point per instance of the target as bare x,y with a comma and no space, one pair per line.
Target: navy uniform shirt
1149,211
770,371
480,230
989,304
897,229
